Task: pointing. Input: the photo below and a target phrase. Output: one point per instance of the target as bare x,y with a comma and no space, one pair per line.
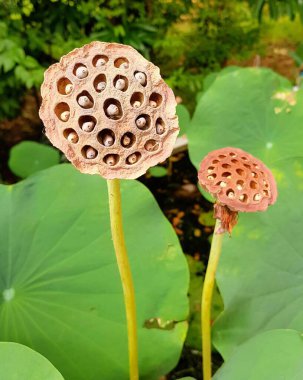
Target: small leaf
29,157
157,171
20,362
184,118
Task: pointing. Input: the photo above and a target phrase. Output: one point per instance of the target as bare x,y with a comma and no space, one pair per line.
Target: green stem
114,197
207,294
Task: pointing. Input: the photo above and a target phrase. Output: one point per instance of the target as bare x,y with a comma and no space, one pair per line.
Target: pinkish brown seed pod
94,108
238,181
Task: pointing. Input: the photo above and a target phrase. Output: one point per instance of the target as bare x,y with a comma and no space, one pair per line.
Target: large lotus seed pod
108,109
238,181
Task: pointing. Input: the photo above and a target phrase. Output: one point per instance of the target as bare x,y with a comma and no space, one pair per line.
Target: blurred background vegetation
187,39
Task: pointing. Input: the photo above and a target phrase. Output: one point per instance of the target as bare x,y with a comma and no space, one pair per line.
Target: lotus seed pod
238,181
101,86
73,137
141,78
112,110
81,72
120,84
68,88
141,122
85,102
100,62
91,153
65,115
88,126
119,107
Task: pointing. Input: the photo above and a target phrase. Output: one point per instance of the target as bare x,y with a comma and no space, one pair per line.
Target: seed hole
226,166
143,122
121,83
100,60
243,198
247,166
232,154
257,197
80,71
89,152
71,135
244,158
256,166
265,192
160,126
240,184
121,63
230,193
137,99
155,100
222,184
210,169
151,145
111,159
112,109
253,185
133,158
128,140
221,156
212,177
265,183
234,161
226,174
62,111
100,82
140,77
87,123
215,161
254,174
85,100
64,86
240,171
106,137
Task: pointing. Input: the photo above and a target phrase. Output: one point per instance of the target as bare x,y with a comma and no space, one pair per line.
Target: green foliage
60,282
29,157
20,362
184,118
157,171
277,8
260,271
273,355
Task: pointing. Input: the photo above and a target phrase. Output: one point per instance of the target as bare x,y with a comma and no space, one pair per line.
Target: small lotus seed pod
108,140
101,86
65,115
88,126
81,72
68,88
91,153
84,101
235,169
141,122
100,62
112,110
141,78
123,127
132,159
120,84
73,137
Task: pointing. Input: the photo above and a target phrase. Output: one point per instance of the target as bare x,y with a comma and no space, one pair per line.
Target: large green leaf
272,355
20,362
29,157
59,279
261,269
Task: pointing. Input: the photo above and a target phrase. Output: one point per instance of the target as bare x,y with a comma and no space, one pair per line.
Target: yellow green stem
114,196
207,294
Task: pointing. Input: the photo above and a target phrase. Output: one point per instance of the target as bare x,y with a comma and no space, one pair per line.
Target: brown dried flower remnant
239,182
108,109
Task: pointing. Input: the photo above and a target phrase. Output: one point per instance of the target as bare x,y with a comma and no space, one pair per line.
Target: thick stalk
113,186
207,294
